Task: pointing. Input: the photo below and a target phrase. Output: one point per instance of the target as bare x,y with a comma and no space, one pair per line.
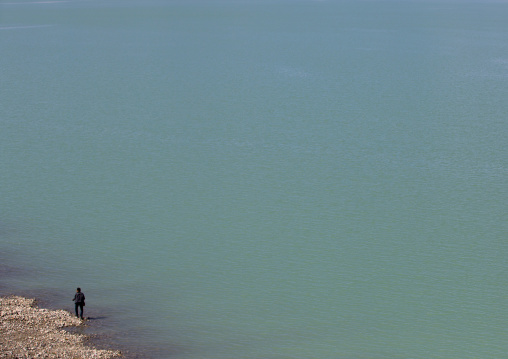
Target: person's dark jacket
79,298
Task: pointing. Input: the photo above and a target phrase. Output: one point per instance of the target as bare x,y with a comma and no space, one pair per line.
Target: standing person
79,302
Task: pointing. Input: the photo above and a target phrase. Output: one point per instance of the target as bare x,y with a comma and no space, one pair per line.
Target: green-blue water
261,179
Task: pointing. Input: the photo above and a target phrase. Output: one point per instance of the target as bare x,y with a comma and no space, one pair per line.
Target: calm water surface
261,179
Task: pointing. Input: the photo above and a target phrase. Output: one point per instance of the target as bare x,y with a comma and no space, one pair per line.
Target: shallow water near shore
260,179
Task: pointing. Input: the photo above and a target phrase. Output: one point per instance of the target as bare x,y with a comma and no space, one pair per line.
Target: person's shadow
95,318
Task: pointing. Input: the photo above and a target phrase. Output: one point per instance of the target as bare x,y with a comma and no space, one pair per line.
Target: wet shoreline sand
27,331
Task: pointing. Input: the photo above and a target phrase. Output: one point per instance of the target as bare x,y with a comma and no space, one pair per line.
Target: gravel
27,332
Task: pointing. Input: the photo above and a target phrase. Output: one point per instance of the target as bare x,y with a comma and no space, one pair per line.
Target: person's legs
76,305
81,310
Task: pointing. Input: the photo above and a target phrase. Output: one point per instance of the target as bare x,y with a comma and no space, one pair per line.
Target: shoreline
103,329
27,331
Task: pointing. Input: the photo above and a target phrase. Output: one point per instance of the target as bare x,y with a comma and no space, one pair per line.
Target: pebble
27,331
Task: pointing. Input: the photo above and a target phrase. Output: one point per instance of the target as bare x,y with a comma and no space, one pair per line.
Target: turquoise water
261,179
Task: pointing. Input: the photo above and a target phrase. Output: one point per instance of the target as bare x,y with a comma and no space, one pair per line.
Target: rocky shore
27,332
